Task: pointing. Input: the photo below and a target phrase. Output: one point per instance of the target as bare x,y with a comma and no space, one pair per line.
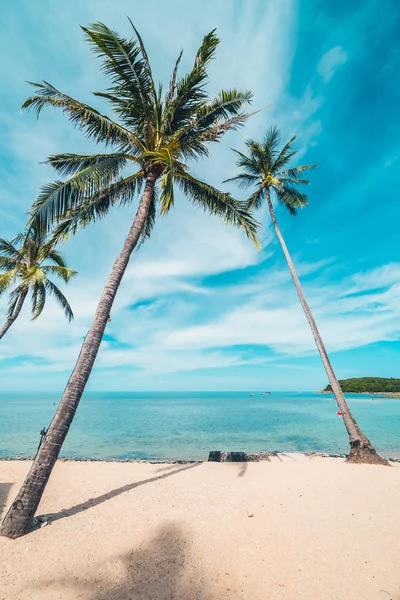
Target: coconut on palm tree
266,169
151,140
27,264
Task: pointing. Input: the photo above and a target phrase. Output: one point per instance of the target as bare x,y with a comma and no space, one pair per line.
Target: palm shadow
4,491
162,569
244,465
78,508
243,469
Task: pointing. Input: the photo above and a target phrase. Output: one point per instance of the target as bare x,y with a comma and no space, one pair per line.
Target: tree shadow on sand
244,465
162,569
4,491
78,508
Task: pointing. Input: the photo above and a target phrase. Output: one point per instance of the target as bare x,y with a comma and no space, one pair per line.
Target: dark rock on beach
220,456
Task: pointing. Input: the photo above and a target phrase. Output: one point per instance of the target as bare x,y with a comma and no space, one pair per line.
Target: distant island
367,385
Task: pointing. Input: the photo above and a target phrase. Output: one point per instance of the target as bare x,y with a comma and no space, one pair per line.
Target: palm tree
266,168
23,266
154,137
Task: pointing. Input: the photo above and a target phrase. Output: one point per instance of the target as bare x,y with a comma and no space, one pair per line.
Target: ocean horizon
188,425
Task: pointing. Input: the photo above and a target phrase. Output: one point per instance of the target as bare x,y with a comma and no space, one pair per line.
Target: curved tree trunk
18,520
361,449
15,314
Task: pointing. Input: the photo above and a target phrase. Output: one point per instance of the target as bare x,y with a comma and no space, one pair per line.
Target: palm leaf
146,61
57,258
291,198
14,298
7,263
57,198
123,62
256,200
8,249
296,172
7,279
89,210
61,299
243,180
172,85
62,272
219,203
96,126
71,164
38,299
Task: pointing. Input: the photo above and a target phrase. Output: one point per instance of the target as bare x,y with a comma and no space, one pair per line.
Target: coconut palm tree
266,169
26,265
151,141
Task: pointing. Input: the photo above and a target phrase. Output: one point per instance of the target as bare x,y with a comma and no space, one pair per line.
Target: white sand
292,528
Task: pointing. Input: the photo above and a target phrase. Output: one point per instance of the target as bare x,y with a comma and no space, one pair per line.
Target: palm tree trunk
14,315
18,520
361,449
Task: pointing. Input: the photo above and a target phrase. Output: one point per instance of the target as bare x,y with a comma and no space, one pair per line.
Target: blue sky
200,308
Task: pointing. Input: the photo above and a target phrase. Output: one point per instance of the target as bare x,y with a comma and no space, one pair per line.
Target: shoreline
373,394
167,461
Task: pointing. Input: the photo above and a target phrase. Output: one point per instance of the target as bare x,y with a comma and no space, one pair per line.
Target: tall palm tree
154,137
24,266
266,168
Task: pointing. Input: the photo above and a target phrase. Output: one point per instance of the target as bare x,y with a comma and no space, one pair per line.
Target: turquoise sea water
187,425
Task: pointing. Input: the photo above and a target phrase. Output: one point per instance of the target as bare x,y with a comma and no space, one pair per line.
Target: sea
188,425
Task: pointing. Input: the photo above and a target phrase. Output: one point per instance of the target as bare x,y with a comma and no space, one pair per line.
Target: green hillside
368,384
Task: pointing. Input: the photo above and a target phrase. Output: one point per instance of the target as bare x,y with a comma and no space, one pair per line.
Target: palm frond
219,203
244,180
190,93
256,200
7,263
270,145
124,63
284,156
96,126
38,299
146,61
57,258
249,163
296,172
8,249
207,50
61,299
14,298
167,198
290,198
7,279
89,210
172,85
70,164
290,181
57,198
62,272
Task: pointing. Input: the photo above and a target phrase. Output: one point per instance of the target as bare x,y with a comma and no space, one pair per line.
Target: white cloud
161,338
274,318
331,61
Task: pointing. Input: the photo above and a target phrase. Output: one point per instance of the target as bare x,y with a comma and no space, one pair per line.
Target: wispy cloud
331,61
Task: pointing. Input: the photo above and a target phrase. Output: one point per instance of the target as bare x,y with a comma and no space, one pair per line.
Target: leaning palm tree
266,168
26,265
153,138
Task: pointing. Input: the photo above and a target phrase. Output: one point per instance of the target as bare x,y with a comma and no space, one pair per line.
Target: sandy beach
294,527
